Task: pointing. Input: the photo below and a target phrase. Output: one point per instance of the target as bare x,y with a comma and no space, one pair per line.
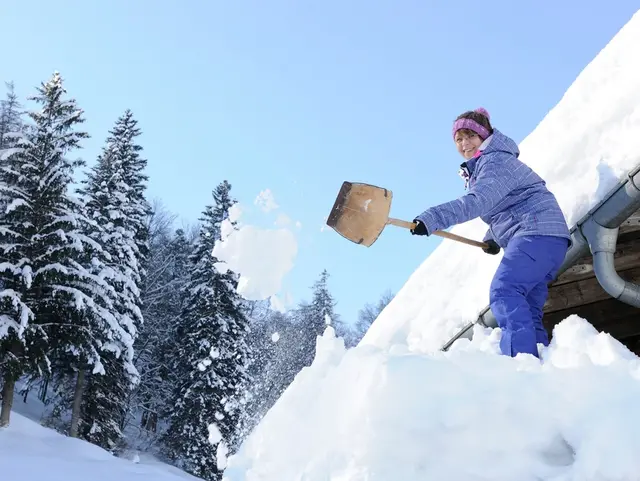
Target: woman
524,219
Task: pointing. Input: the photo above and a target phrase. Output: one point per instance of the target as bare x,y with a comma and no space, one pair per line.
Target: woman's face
467,143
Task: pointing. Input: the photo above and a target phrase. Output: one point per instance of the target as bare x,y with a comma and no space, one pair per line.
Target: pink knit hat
472,124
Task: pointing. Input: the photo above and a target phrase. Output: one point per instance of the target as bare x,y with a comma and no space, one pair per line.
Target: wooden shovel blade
360,212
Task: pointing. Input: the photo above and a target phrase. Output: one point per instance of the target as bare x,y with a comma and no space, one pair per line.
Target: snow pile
262,257
29,451
468,414
585,144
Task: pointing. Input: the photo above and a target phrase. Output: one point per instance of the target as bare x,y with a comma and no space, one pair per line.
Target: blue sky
299,96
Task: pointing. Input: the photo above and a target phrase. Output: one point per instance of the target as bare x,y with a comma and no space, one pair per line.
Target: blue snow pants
519,290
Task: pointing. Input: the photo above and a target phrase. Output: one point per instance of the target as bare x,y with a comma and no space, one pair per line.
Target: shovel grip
440,233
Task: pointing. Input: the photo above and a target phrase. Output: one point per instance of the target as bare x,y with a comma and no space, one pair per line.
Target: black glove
419,229
492,248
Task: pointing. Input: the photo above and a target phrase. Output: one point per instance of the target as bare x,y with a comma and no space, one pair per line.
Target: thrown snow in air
261,257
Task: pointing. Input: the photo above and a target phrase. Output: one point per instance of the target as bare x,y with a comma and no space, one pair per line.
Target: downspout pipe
617,206
601,231
602,242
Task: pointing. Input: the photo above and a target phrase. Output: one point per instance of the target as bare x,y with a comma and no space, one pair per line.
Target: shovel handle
440,233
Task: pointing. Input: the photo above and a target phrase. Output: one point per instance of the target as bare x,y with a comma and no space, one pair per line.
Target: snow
266,201
262,257
469,414
221,456
214,434
29,451
277,304
14,204
396,407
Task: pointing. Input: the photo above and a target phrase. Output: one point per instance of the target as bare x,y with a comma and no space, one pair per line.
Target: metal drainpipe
602,242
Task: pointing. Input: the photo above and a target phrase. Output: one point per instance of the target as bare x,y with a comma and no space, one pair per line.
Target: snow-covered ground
396,408
32,452
29,452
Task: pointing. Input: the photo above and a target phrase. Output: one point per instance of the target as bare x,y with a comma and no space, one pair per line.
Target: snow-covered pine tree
210,357
10,118
11,124
50,304
316,316
276,344
114,196
134,165
103,406
167,273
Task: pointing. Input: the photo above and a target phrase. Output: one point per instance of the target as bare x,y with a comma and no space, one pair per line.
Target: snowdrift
30,452
397,408
369,414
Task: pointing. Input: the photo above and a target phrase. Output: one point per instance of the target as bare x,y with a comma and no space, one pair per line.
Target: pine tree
103,406
276,345
50,304
115,202
316,316
167,271
10,118
210,358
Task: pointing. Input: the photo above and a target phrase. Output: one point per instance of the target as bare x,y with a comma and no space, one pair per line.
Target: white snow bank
581,148
468,414
29,451
262,257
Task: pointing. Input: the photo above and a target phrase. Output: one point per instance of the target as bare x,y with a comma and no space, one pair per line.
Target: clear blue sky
300,96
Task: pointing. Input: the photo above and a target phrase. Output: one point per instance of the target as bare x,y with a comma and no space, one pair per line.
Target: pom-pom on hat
483,111
471,124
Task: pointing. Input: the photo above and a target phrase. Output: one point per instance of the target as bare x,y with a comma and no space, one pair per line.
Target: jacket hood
498,142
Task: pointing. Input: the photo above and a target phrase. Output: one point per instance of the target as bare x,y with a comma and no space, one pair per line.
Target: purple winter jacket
505,193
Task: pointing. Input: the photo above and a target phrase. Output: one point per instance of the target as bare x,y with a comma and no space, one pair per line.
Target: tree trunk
7,401
44,386
77,402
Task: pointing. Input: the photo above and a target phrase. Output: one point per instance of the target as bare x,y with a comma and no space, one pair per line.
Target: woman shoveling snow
524,219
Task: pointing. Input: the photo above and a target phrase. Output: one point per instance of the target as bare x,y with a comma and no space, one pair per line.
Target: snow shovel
361,212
